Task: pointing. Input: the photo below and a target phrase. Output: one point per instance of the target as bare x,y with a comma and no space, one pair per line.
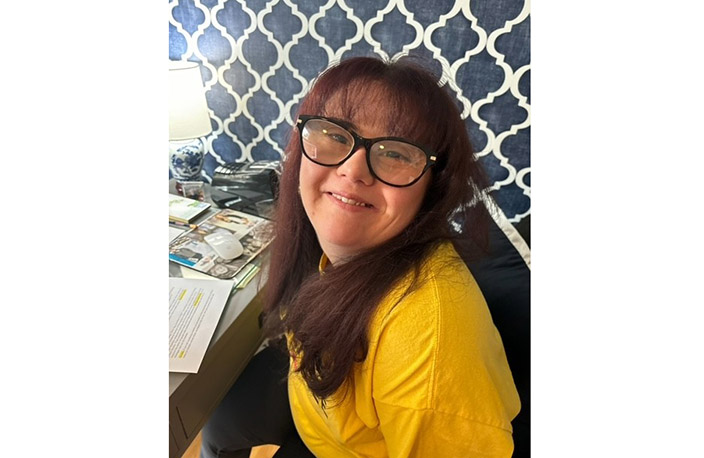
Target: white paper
175,232
190,273
237,280
195,307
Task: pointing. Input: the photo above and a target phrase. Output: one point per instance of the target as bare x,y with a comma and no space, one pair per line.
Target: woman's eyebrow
343,123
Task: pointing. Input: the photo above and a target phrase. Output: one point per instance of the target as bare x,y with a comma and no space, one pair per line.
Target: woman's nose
355,167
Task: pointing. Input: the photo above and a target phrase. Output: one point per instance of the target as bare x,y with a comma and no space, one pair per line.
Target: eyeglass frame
430,158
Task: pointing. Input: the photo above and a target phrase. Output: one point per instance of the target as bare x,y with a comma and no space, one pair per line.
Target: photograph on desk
235,221
192,250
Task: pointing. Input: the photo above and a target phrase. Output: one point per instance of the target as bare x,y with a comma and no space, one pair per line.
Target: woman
391,346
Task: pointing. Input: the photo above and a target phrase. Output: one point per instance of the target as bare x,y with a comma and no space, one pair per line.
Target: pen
180,224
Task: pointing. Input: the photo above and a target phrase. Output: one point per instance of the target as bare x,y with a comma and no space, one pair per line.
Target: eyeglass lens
393,161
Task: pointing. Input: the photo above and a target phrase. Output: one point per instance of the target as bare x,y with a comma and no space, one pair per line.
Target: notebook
185,210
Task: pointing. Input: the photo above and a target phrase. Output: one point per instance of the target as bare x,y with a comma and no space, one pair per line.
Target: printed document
195,307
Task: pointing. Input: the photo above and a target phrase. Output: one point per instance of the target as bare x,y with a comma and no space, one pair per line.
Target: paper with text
195,307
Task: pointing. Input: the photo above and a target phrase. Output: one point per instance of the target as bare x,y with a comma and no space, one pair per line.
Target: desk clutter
213,249
192,249
202,246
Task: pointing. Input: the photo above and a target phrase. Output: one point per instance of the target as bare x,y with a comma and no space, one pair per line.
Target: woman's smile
350,200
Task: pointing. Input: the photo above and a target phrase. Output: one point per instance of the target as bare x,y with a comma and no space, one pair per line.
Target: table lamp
188,120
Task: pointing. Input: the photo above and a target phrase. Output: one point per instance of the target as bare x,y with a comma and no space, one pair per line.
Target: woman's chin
343,246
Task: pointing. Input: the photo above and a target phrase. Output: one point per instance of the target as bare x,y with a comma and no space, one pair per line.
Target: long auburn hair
329,314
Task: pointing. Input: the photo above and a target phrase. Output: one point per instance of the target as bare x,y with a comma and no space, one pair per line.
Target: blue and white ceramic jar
186,159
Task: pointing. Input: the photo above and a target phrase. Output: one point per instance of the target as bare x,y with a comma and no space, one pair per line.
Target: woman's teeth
349,201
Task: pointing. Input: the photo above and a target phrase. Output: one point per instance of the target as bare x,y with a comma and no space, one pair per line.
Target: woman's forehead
371,106
357,115
356,97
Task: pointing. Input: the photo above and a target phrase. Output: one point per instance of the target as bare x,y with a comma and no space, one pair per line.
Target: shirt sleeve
422,433
441,383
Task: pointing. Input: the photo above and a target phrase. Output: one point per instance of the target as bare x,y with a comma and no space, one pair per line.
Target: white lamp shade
188,109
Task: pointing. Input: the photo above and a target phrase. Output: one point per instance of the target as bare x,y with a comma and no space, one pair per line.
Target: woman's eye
395,155
339,138
336,136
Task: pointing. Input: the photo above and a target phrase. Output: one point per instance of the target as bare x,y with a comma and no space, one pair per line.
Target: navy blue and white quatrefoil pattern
258,58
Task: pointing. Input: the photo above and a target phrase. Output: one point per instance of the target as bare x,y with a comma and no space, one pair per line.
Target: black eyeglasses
391,160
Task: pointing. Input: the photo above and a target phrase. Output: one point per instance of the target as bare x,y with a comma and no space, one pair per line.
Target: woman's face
331,198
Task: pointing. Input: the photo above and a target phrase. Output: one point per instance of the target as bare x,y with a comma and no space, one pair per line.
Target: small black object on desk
242,186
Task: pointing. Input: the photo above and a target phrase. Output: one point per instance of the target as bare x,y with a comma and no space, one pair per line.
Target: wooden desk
193,397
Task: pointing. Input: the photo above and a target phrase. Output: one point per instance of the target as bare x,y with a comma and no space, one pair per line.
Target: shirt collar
323,264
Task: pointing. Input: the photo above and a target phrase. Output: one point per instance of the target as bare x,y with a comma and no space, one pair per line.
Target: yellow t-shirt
435,382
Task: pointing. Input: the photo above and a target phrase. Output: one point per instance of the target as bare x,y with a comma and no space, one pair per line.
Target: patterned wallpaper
258,57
